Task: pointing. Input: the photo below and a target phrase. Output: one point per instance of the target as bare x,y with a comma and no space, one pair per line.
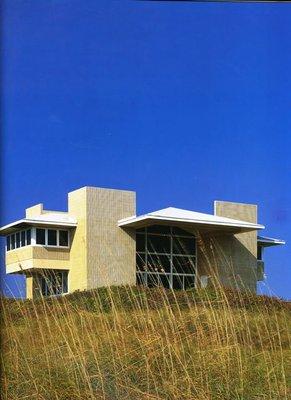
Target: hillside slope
133,343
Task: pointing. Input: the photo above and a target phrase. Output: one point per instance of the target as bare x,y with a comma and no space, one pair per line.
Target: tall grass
138,343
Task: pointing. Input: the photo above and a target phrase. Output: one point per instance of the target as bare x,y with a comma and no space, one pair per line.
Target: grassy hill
133,343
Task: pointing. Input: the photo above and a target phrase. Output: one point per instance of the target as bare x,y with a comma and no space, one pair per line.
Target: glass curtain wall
165,256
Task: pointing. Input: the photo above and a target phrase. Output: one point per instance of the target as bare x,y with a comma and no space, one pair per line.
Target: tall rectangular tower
102,254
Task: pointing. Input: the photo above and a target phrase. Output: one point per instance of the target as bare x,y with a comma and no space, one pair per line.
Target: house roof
177,215
46,219
267,241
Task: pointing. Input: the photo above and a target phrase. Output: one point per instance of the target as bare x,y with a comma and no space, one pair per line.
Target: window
18,239
165,256
12,241
52,237
22,238
8,243
28,237
54,283
40,236
17,236
64,238
43,236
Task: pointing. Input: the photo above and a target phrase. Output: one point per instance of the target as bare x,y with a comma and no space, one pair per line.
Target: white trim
38,222
216,221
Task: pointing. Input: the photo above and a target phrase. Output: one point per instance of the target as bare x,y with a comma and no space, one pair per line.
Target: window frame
142,275
30,238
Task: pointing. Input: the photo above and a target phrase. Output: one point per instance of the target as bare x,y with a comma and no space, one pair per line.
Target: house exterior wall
33,257
110,250
102,254
77,207
232,259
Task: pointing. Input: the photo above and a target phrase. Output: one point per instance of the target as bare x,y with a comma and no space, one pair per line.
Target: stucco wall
110,249
35,257
77,207
231,258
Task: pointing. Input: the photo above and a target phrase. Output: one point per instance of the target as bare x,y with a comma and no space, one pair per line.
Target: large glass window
54,283
165,256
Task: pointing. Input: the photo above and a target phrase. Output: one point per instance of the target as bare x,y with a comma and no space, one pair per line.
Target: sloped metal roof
172,214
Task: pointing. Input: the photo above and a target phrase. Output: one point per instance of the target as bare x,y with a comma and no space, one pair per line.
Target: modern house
100,241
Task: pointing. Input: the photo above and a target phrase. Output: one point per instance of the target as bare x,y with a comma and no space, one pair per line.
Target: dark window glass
260,253
179,231
22,238
17,239
12,244
159,244
189,282
153,280
159,229
158,263
40,236
140,262
140,279
184,265
184,245
52,237
54,283
140,242
28,237
63,238
8,242
177,282
65,281
165,280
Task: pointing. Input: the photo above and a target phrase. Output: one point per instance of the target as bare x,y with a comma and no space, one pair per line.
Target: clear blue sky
183,102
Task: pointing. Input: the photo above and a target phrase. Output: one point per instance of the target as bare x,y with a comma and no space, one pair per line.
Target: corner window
52,237
40,236
8,243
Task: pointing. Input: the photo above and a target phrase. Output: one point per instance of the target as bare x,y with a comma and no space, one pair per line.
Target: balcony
30,258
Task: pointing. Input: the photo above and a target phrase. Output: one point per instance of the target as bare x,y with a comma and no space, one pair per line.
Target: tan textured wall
110,250
233,258
34,257
34,210
77,207
29,287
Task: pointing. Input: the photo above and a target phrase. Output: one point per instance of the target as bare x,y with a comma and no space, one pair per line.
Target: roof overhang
27,222
268,242
188,219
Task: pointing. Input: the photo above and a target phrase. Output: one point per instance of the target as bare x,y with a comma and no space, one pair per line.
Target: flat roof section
50,219
268,242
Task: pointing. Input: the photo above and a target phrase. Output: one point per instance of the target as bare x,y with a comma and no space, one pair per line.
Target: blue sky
185,103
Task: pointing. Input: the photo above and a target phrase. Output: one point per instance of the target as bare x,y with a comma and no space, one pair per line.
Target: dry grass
133,343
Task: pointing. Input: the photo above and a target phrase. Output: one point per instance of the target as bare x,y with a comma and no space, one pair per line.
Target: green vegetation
138,343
